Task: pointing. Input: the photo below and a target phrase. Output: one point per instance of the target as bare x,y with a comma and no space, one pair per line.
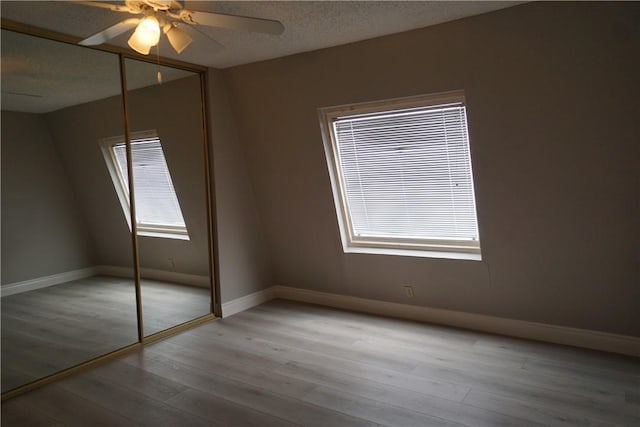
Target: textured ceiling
309,25
40,76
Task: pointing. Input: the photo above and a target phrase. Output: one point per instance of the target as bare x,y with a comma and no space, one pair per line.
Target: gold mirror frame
213,259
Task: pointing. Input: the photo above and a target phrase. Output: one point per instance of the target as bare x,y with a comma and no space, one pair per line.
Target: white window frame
433,248
150,230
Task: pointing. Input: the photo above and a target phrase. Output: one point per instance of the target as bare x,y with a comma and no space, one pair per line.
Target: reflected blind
156,201
406,174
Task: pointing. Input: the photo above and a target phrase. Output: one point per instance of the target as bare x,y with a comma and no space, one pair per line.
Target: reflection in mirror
68,293
169,184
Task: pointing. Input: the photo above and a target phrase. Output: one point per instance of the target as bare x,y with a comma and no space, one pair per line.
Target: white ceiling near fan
309,25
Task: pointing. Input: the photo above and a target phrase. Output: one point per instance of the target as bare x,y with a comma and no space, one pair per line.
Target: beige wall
552,91
244,259
180,130
77,132
43,229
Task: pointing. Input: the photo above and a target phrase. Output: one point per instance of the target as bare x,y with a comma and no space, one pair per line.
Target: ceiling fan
166,16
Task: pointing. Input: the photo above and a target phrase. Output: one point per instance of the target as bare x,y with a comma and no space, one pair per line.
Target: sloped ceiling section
309,25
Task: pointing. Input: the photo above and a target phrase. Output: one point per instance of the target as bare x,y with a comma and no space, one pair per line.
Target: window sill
414,253
163,235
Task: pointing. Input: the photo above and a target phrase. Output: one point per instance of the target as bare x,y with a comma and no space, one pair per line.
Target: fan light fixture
146,35
169,17
178,38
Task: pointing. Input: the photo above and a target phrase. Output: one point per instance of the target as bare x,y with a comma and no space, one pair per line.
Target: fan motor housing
139,6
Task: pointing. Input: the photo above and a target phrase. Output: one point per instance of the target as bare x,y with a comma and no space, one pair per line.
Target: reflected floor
50,329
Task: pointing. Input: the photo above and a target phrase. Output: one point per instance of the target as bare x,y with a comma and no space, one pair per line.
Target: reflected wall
172,240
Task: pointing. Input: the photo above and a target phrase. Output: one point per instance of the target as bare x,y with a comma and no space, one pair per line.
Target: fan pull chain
159,75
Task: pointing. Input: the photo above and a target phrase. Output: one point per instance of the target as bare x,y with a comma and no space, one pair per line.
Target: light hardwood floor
50,329
286,363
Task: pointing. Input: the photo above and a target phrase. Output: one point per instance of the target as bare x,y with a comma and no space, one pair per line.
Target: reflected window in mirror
158,212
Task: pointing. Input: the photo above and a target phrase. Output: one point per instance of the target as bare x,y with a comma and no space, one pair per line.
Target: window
401,176
158,211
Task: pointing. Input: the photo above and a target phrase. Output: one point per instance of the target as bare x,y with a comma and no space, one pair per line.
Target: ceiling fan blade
109,33
213,42
104,5
235,22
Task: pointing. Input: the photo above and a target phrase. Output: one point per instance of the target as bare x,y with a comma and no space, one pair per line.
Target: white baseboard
246,302
154,274
596,340
46,281
107,270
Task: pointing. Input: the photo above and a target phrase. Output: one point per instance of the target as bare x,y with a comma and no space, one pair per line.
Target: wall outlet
170,263
408,291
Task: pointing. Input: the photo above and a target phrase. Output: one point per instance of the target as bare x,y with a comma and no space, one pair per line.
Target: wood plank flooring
50,329
285,363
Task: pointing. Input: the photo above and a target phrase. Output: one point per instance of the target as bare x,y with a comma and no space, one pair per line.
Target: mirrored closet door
80,278
167,144
68,291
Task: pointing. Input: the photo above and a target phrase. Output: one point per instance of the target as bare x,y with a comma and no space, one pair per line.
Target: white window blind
405,177
157,207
